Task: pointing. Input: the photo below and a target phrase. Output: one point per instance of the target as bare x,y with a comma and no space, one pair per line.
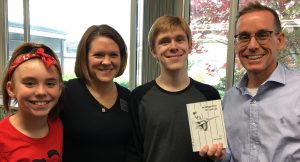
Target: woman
95,118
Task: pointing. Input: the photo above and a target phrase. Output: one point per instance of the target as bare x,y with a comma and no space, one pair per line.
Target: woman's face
104,59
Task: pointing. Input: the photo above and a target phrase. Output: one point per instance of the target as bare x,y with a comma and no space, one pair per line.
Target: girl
32,80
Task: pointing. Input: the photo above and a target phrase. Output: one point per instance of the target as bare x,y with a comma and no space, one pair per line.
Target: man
158,108
262,112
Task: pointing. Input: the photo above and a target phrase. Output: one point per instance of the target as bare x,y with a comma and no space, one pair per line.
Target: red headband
47,59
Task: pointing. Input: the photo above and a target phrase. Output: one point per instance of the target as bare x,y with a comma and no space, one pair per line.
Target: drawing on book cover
206,124
201,122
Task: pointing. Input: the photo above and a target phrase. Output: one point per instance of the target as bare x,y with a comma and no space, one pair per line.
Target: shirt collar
278,76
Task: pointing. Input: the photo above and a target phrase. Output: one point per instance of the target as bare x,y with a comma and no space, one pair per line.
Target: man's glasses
262,37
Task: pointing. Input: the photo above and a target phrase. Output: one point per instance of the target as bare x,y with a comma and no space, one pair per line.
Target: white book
206,124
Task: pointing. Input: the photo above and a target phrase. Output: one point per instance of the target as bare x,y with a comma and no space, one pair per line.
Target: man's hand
215,152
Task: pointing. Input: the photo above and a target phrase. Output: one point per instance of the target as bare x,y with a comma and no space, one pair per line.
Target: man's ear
280,40
10,89
236,50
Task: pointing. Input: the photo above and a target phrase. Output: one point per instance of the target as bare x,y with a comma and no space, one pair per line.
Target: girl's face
104,59
35,88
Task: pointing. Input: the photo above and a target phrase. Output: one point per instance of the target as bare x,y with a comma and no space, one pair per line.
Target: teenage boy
158,108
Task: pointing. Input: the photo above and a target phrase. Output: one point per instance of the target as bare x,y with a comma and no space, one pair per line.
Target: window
209,25
15,24
60,25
